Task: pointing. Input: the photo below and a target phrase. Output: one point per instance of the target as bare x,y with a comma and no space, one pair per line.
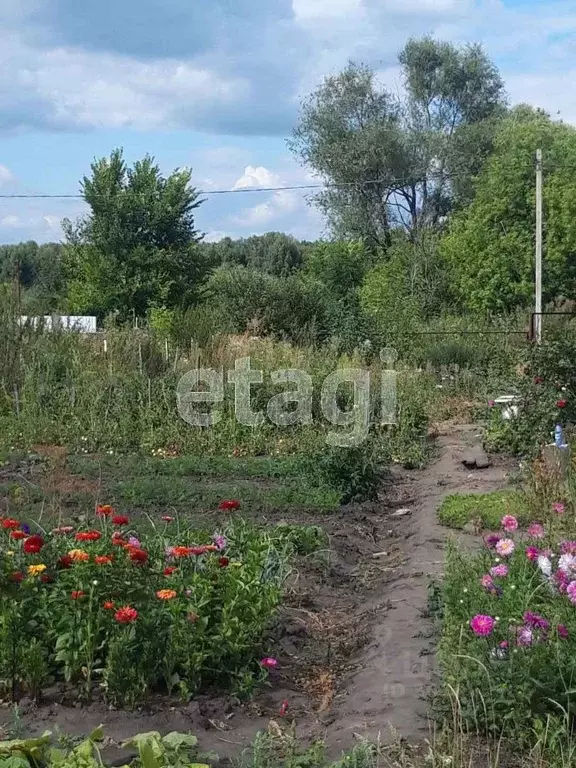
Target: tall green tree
138,246
490,245
390,161
274,253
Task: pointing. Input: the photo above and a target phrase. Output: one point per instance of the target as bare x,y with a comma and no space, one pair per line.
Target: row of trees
429,195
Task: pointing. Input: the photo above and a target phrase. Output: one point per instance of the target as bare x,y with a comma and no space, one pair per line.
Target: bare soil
355,647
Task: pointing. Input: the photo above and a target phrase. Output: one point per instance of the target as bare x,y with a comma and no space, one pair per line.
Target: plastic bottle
559,437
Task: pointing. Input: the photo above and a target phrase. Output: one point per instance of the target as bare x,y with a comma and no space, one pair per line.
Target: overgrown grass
484,509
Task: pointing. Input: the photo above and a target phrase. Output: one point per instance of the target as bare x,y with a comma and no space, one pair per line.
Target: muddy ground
355,647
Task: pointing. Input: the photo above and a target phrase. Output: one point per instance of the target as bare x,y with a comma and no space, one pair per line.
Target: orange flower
104,510
166,594
88,536
79,556
181,551
103,560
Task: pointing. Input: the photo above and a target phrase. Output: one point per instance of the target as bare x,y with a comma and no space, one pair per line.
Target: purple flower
535,621
536,531
220,542
25,527
133,541
482,625
524,636
571,592
568,547
499,570
492,540
487,582
532,553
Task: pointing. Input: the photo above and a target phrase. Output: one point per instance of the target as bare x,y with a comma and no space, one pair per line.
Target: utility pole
538,307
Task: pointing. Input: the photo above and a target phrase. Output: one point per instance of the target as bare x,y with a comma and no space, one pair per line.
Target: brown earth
354,644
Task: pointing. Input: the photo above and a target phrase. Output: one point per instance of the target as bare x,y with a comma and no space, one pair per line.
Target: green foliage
486,509
490,244
137,249
38,270
389,158
340,266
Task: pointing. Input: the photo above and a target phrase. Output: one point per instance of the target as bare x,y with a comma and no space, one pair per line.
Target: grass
485,508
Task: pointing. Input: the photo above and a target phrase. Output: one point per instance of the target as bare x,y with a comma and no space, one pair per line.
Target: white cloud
6,176
311,10
254,177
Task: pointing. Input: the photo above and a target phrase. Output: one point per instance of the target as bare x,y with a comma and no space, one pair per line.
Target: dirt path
386,697
355,652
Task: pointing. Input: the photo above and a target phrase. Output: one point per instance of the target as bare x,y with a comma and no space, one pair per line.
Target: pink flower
509,523
558,507
491,403
504,644
492,540
562,580
567,563
487,582
571,592
505,547
532,553
482,625
133,542
536,531
524,636
269,663
499,570
535,620
568,547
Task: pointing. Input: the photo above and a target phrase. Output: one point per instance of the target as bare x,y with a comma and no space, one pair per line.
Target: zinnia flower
17,577
126,615
229,505
561,403
166,594
77,594
571,592
558,507
10,525
120,520
223,562
499,570
88,536
220,541
562,631
108,605
167,519
532,553
536,531
482,625
45,578
505,547
104,510
103,559
138,555
269,663
169,570
63,529
78,556
283,708
133,542
65,561
36,570
17,535
181,551
33,545
509,523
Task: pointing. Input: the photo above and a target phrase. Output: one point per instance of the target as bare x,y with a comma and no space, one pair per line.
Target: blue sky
215,85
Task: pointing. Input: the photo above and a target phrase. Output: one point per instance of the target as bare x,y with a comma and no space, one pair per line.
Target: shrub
171,608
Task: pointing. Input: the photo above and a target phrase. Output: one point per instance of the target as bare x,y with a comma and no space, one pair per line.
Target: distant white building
81,323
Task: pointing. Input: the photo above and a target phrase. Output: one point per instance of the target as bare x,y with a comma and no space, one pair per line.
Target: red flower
538,380
33,544
17,535
167,519
17,577
138,555
170,570
65,561
45,578
88,536
126,615
77,594
230,505
120,520
284,708
561,403
104,510
181,551
103,559
10,524
117,539
198,550
223,561
109,605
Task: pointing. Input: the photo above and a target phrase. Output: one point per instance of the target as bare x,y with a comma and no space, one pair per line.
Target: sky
215,85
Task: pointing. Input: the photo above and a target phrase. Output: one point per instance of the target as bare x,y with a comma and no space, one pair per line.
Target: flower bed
169,608
509,627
